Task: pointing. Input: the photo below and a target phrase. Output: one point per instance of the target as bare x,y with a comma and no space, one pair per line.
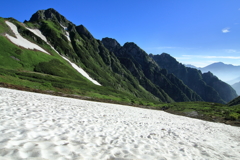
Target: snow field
37,126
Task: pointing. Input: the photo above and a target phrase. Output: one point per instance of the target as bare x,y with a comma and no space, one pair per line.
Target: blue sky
197,32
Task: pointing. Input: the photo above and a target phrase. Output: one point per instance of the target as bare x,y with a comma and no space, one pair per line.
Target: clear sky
197,32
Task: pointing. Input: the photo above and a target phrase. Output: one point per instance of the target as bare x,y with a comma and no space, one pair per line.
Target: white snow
80,70
20,41
37,126
38,33
66,32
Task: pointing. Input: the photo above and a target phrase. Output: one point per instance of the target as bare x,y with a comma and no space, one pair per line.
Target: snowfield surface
20,41
80,70
37,126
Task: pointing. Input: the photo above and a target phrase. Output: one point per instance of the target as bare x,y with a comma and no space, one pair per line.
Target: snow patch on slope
80,70
38,33
20,41
66,33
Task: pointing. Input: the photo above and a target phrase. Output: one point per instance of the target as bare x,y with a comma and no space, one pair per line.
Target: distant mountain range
226,72
190,66
71,60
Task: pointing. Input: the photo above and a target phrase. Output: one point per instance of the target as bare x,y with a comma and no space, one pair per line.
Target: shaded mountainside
208,86
235,101
149,74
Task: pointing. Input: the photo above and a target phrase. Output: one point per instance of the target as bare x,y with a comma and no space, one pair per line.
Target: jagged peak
111,40
51,14
111,44
165,54
165,57
210,74
83,31
132,44
134,48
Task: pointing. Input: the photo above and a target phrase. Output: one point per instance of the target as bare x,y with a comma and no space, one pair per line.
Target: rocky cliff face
146,70
208,86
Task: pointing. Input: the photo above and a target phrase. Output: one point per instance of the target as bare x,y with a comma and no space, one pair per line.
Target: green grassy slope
205,110
36,70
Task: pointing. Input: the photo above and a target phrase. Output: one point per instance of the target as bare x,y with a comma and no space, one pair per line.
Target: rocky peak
51,14
165,60
111,44
209,75
168,57
132,49
83,31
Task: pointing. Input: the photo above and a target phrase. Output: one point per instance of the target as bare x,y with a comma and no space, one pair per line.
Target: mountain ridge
125,68
225,72
149,69
206,84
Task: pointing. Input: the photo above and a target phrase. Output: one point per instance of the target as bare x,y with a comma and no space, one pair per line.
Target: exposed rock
49,14
111,44
83,31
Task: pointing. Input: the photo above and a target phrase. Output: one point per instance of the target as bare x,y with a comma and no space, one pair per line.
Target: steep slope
234,102
226,92
208,86
80,47
145,69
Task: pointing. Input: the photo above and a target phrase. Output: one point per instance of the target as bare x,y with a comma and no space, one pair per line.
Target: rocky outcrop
49,14
111,44
84,32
